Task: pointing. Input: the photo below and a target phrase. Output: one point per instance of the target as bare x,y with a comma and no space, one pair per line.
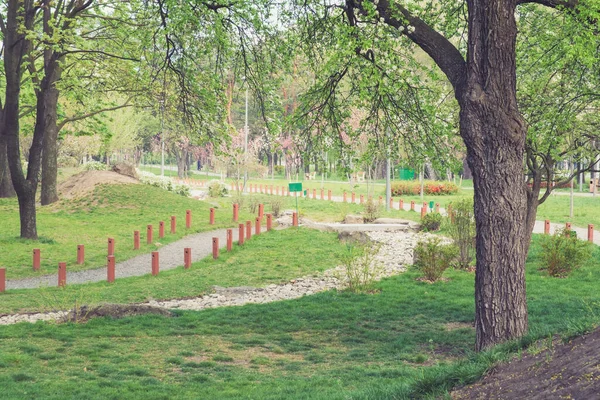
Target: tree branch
91,114
439,48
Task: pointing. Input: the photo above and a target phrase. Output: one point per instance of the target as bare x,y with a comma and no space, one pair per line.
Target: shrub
216,188
360,268
432,257
276,204
163,183
462,230
408,188
253,203
94,166
431,222
371,211
563,252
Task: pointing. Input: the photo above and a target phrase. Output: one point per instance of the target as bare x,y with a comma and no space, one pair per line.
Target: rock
125,169
354,219
353,237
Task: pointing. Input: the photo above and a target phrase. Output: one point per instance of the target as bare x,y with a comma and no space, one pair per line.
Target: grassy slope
394,344
272,257
110,211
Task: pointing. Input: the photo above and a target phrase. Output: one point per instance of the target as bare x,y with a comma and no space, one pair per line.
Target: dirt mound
113,310
84,182
559,371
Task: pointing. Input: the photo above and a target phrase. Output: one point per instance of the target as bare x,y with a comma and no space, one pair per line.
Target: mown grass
409,340
269,258
109,211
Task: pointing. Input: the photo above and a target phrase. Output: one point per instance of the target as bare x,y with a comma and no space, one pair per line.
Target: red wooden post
568,227
187,257
173,223
547,227
136,240
591,233
271,190
80,254
261,210
322,194
329,195
110,269
261,188
269,221
314,193
2,279
149,234
437,208
353,197
111,247
295,219
236,212
277,190
241,234
401,205
161,229
229,239
423,210
188,219
345,197
257,227
62,274
412,205
248,230
380,200
155,263
391,203
215,248
212,216
362,199
36,259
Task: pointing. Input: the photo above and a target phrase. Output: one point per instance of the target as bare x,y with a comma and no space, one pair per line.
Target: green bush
563,252
431,222
432,258
94,166
371,210
360,267
217,188
408,188
461,229
276,204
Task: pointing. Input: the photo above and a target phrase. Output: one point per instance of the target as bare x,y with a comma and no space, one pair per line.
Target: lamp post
162,141
246,139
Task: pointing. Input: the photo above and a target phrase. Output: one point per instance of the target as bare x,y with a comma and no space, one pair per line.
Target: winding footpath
394,254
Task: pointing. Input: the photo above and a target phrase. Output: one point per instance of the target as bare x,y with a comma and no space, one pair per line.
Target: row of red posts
568,227
155,265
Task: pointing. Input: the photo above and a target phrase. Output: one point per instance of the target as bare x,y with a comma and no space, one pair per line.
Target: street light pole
162,140
246,142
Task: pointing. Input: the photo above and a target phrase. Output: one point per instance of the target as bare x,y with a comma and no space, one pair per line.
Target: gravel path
170,256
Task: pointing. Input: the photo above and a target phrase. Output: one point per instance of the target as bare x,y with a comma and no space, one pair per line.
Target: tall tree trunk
6,185
494,133
49,193
16,46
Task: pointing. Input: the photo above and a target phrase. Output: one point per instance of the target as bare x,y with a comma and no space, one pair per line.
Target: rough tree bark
49,192
6,187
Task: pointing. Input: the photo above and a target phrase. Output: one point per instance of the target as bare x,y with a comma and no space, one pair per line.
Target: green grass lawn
272,257
408,340
110,211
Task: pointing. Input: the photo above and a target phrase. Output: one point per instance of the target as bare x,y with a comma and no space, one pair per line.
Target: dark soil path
560,371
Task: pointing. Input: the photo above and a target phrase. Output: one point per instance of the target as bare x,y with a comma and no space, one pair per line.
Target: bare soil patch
84,182
560,371
113,310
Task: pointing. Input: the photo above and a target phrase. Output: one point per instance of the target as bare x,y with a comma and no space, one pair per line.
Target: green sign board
295,186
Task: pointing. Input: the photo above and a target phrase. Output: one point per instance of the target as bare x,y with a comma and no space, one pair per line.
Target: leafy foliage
431,222
360,266
371,210
563,252
461,227
432,257
408,188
